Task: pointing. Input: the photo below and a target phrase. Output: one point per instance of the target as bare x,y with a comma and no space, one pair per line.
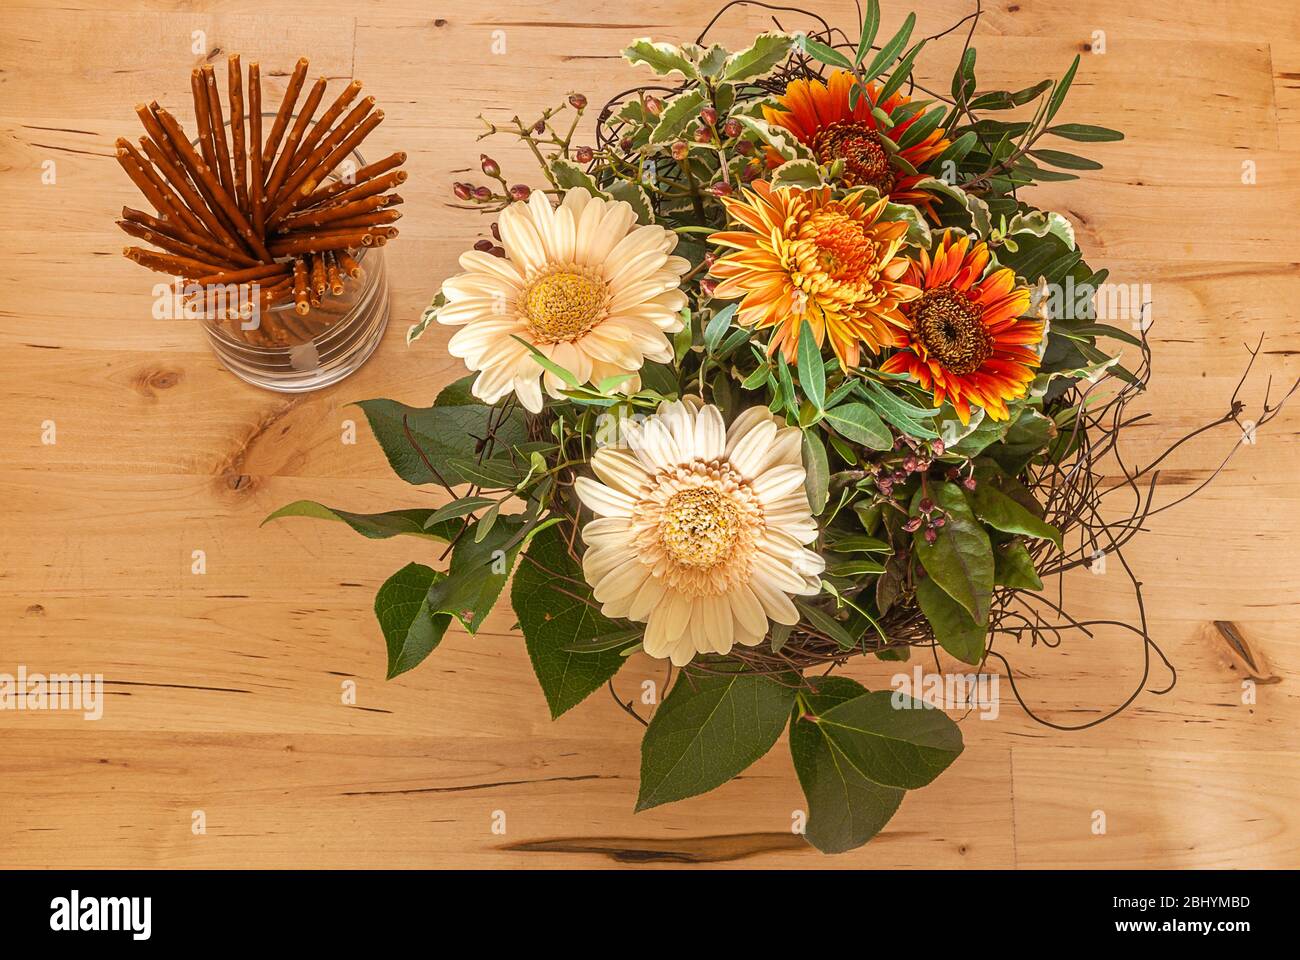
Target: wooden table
225,690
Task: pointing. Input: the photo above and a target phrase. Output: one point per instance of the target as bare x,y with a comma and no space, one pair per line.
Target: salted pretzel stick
262,272
315,218
185,267
204,241
195,165
218,121
360,191
326,121
235,94
286,110
154,129
202,120
332,274
255,182
347,264
379,218
285,163
320,243
146,178
167,173
198,206
363,183
314,168
177,247
301,306
319,280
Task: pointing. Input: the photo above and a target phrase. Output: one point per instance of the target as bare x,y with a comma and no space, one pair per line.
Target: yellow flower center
564,304
866,161
699,527
952,330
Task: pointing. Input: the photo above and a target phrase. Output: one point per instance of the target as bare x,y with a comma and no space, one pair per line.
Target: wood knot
239,482
148,382
35,610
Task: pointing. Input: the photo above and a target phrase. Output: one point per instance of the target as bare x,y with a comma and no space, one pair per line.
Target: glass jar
330,342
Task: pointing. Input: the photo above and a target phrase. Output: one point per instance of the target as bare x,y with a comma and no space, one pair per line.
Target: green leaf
477,572
452,427
569,176
921,128
859,423
717,326
786,145
1001,512
494,474
760,59
891,49
845,809
812,371
1014,567
953,627
905,745
631,193
1066,161
900,75
662,58
870,25
411,630
823,622
376,526
458,508
677,113
961,558
825,54
1085,133
804,174
556,613
817,469
859,543
1058,95
708,730
416,330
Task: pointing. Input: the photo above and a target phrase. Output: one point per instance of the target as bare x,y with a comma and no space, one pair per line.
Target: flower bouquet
780,370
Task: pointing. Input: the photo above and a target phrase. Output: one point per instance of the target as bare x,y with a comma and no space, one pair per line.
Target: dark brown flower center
866,161
952,330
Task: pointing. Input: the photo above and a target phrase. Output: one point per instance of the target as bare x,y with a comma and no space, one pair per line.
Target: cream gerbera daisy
582,283
700,529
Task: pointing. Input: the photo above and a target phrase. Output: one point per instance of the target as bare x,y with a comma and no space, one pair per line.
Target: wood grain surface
225,691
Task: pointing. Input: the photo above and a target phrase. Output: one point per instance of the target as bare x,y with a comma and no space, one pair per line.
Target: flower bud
912,525
926,505
484,246
709,115
969,483
498,252
937,446
583,154
703,135
680,149
910,463
711,258
490,166
721,190
482,193
496,232
577,101
744,147
539,126
654,106
463,190
707,286
520,191
732,128
749,174
625,144
938,522
930,536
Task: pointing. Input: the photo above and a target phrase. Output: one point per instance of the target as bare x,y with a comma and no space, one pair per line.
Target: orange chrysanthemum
968,341
803,256
821,117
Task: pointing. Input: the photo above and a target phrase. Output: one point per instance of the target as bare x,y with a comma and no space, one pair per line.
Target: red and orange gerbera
968,342
821,117
804,256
